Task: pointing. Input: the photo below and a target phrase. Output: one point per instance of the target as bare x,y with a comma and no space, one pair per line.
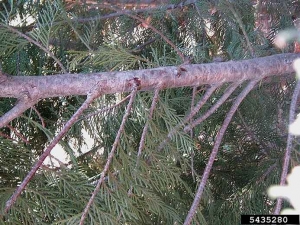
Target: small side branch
7,137
39,115
215,149
264,147
224,97
21,106
192,132
144,133
194,93
289,146
18,134
99,111
265,174
110,156
152,108
238,19
29,39
179,53
199,105
193,112
47,151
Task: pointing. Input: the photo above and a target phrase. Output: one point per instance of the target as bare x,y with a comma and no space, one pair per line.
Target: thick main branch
166,77
39,87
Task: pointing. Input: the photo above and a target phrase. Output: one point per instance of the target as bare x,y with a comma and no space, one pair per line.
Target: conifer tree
187,104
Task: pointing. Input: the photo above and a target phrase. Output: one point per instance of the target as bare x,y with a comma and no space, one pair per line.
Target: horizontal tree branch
140,8
39,87
169,77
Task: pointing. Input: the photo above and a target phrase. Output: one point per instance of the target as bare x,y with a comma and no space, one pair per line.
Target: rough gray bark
29,89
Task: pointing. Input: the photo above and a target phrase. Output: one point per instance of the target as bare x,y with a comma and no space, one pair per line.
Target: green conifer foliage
146,159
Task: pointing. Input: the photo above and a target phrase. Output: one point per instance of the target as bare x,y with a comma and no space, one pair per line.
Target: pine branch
92,95
115,82
40,87
111,154
215,149
289,146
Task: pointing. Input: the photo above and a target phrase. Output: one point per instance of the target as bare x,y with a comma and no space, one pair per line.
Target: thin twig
61,164
107,108
18,134
240,22
262,145
289,146
7,137
141,46
151,111
78,157
145,10
47,151
179,53
110,156
191,131
265,174
38,45
224,97
69,21
193,112
39,115
214,152
192,106
204,99
144,133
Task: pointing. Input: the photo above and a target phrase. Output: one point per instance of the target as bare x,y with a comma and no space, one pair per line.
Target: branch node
25,95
